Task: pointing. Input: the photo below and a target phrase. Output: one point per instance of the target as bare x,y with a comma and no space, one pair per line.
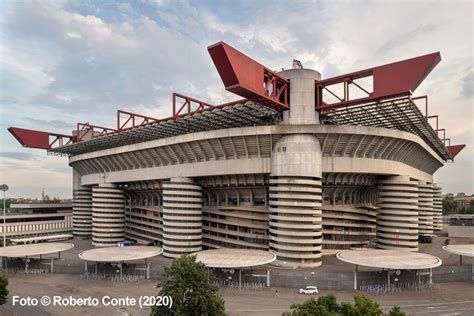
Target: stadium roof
237,115
390,259
401,114
30,250
120,254
462,250
234,258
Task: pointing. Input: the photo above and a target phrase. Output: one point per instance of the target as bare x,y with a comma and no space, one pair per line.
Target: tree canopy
327,305
449,206
3,290
190,285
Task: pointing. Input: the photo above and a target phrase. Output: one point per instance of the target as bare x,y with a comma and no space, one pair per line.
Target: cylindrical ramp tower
108,215
425,208
81,208
182,217
302,96
397,217
437,208
295,202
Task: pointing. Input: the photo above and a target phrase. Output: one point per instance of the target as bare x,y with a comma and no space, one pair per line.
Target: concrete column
302,96
182,217
425,208
437,208
108,215
295,202
397,217
355,277
81,208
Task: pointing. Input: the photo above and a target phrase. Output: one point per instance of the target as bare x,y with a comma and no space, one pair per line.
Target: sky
63,62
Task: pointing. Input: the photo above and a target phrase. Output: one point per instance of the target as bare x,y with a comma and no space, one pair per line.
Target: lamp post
4,188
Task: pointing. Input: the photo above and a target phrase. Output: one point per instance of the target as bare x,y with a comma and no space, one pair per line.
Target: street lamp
4,188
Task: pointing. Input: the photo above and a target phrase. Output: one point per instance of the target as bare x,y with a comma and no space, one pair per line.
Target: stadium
302,166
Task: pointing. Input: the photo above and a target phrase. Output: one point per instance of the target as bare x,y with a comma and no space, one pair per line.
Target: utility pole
4,188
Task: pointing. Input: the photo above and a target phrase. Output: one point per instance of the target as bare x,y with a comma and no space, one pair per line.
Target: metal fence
345,280
278,278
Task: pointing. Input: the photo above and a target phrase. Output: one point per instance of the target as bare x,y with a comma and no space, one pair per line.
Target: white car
308,290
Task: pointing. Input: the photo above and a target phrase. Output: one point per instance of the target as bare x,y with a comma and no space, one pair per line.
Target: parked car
308,290
125,243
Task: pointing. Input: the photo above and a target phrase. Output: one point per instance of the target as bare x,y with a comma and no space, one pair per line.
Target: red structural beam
92,131
184,105
454,150
135,120
38,139
245,77
391,80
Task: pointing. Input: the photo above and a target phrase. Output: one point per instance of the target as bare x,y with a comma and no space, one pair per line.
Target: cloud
19,156
51,123
467,85
407,38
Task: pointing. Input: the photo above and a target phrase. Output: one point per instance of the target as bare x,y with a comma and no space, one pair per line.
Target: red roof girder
245,77
389,81
39,139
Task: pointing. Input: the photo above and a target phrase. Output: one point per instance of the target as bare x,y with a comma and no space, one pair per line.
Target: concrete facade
296,187
108,215
182,217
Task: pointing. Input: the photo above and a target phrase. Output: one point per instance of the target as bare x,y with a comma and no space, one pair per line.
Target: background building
463,201
301,166
461,225
37,219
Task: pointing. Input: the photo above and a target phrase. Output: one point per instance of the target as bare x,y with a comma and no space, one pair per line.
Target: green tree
396,311
365,306
449,206
328,306
3,290
190,285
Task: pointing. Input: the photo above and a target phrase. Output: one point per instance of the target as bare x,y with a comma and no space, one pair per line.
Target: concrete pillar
437,208
182,217
397,216
108,215
81,208
295,202
302,96
355,278
240,278
425,208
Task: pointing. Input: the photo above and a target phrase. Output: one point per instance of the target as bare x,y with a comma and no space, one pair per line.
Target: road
449,299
